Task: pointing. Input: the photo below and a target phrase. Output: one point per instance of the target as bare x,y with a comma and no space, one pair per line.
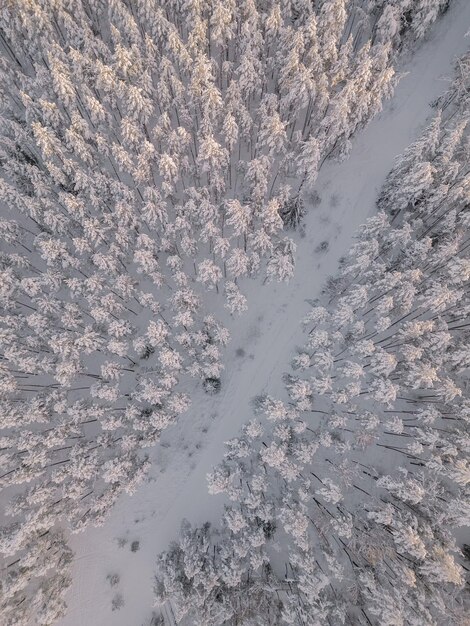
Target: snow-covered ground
262,345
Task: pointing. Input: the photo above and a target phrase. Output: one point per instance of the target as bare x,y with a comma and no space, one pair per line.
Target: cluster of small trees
150,150
344,496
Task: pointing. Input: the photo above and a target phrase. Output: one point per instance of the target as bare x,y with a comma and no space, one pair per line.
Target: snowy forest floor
262,345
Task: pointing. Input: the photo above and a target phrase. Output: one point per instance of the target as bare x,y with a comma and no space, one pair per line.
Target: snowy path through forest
262,346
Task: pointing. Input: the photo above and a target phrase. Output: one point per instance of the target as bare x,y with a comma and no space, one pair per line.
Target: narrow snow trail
263,342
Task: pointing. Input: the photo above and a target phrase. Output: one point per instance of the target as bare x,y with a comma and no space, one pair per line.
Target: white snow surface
262,345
